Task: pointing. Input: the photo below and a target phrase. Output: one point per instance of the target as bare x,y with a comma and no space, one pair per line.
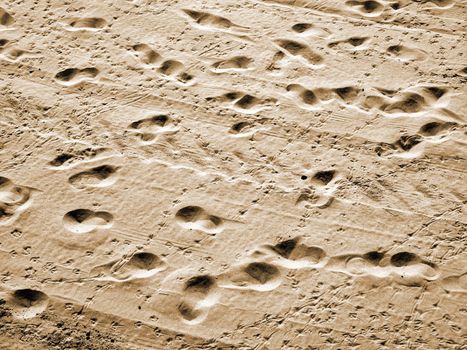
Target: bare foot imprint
196,218
140,265
81,221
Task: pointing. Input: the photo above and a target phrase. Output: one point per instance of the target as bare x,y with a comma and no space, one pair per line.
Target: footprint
191,314
409,267
277,61
5,18
208,21
314,198
150,127
86,23
323,177
409,102
348,94
14,199
138,266
374,102
307,29
11,194
456,284
236,63
407,142
61,159
198,296
403,147
353,43
410,146
436,128
320,193
359,264
200,284
196,218
84,220
405,54
244,103
387,92
366,264
368,8
403,268
100,176
70,159
314,99
73,76
249,104
404,259
398,5
146,54
257,276
246,129
227,97
153,123
7,214
434,92
12,54
325,95
240,128
306,98
27,303
293,254
302,27
296,49
175,70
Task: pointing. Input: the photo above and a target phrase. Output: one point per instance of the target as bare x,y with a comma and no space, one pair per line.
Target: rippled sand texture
262,174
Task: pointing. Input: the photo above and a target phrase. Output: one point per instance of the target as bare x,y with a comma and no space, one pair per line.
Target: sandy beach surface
233,174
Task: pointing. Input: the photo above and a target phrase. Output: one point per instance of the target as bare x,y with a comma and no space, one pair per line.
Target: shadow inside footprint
323,177
5,18
285,248
261,272
200,284
404,259
190,314
27,303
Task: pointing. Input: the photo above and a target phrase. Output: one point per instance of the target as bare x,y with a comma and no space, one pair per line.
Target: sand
230,174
